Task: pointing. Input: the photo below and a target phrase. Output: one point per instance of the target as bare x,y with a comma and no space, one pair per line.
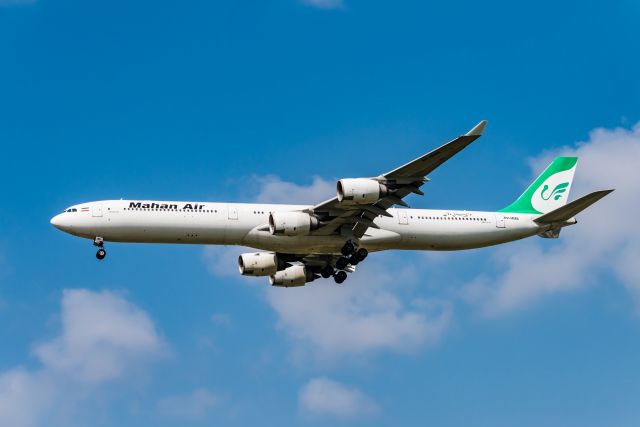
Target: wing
402,181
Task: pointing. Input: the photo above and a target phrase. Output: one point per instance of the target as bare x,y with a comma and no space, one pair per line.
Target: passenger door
403,217
500,221
233,211
96,210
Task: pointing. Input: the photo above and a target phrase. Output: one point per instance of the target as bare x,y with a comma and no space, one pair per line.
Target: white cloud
324,4
103,339
322,396
102,334
223,260
606,238
25,397
361,316
275,190
190,407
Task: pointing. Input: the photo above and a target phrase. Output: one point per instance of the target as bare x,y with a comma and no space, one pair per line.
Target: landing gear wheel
342,263
340,277
347,249
327,271
101,253
353,260
361,254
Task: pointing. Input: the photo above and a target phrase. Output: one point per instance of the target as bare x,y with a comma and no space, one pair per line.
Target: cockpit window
70,210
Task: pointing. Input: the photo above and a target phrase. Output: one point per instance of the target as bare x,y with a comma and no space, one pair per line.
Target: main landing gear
348,249
350,255
327,271
99,242
340,277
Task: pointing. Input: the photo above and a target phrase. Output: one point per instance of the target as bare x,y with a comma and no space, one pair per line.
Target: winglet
478,129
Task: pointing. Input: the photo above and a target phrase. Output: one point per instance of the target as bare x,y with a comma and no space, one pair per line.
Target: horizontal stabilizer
570,210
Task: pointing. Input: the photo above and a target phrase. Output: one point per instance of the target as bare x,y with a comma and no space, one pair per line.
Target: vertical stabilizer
549,191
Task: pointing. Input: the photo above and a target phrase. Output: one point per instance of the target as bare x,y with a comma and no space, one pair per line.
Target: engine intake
258,264
292,223
360,191
296,275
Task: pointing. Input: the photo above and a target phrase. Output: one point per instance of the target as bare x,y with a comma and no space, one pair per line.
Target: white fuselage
246,224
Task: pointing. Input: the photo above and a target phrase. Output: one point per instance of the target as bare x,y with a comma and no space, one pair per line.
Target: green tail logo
549,191
556,193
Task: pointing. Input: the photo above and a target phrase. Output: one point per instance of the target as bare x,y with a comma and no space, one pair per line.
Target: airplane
301,243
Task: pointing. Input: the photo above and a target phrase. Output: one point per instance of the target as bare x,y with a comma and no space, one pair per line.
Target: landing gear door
96,210
403,218
500,221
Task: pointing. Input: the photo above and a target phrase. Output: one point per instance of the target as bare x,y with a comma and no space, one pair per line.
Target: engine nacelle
360,190
292,223
296,275
258,264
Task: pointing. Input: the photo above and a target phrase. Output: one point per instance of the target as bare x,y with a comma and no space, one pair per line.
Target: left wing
398,183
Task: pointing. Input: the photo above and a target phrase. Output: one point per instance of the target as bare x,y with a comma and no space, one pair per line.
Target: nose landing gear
99,242
101,254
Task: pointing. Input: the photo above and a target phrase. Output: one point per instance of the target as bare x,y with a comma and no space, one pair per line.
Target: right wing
401,181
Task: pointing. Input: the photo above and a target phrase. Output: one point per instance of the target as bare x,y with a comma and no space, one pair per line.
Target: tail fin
549,191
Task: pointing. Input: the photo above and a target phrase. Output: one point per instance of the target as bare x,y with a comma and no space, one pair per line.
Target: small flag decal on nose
84,210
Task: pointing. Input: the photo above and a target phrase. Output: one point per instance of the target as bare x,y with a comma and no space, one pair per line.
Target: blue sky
274,101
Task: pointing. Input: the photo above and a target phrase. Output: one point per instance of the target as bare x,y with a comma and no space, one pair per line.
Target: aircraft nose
59,222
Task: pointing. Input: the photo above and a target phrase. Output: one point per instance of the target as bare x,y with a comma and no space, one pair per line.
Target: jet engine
296,275
292,223
258,264
360,191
